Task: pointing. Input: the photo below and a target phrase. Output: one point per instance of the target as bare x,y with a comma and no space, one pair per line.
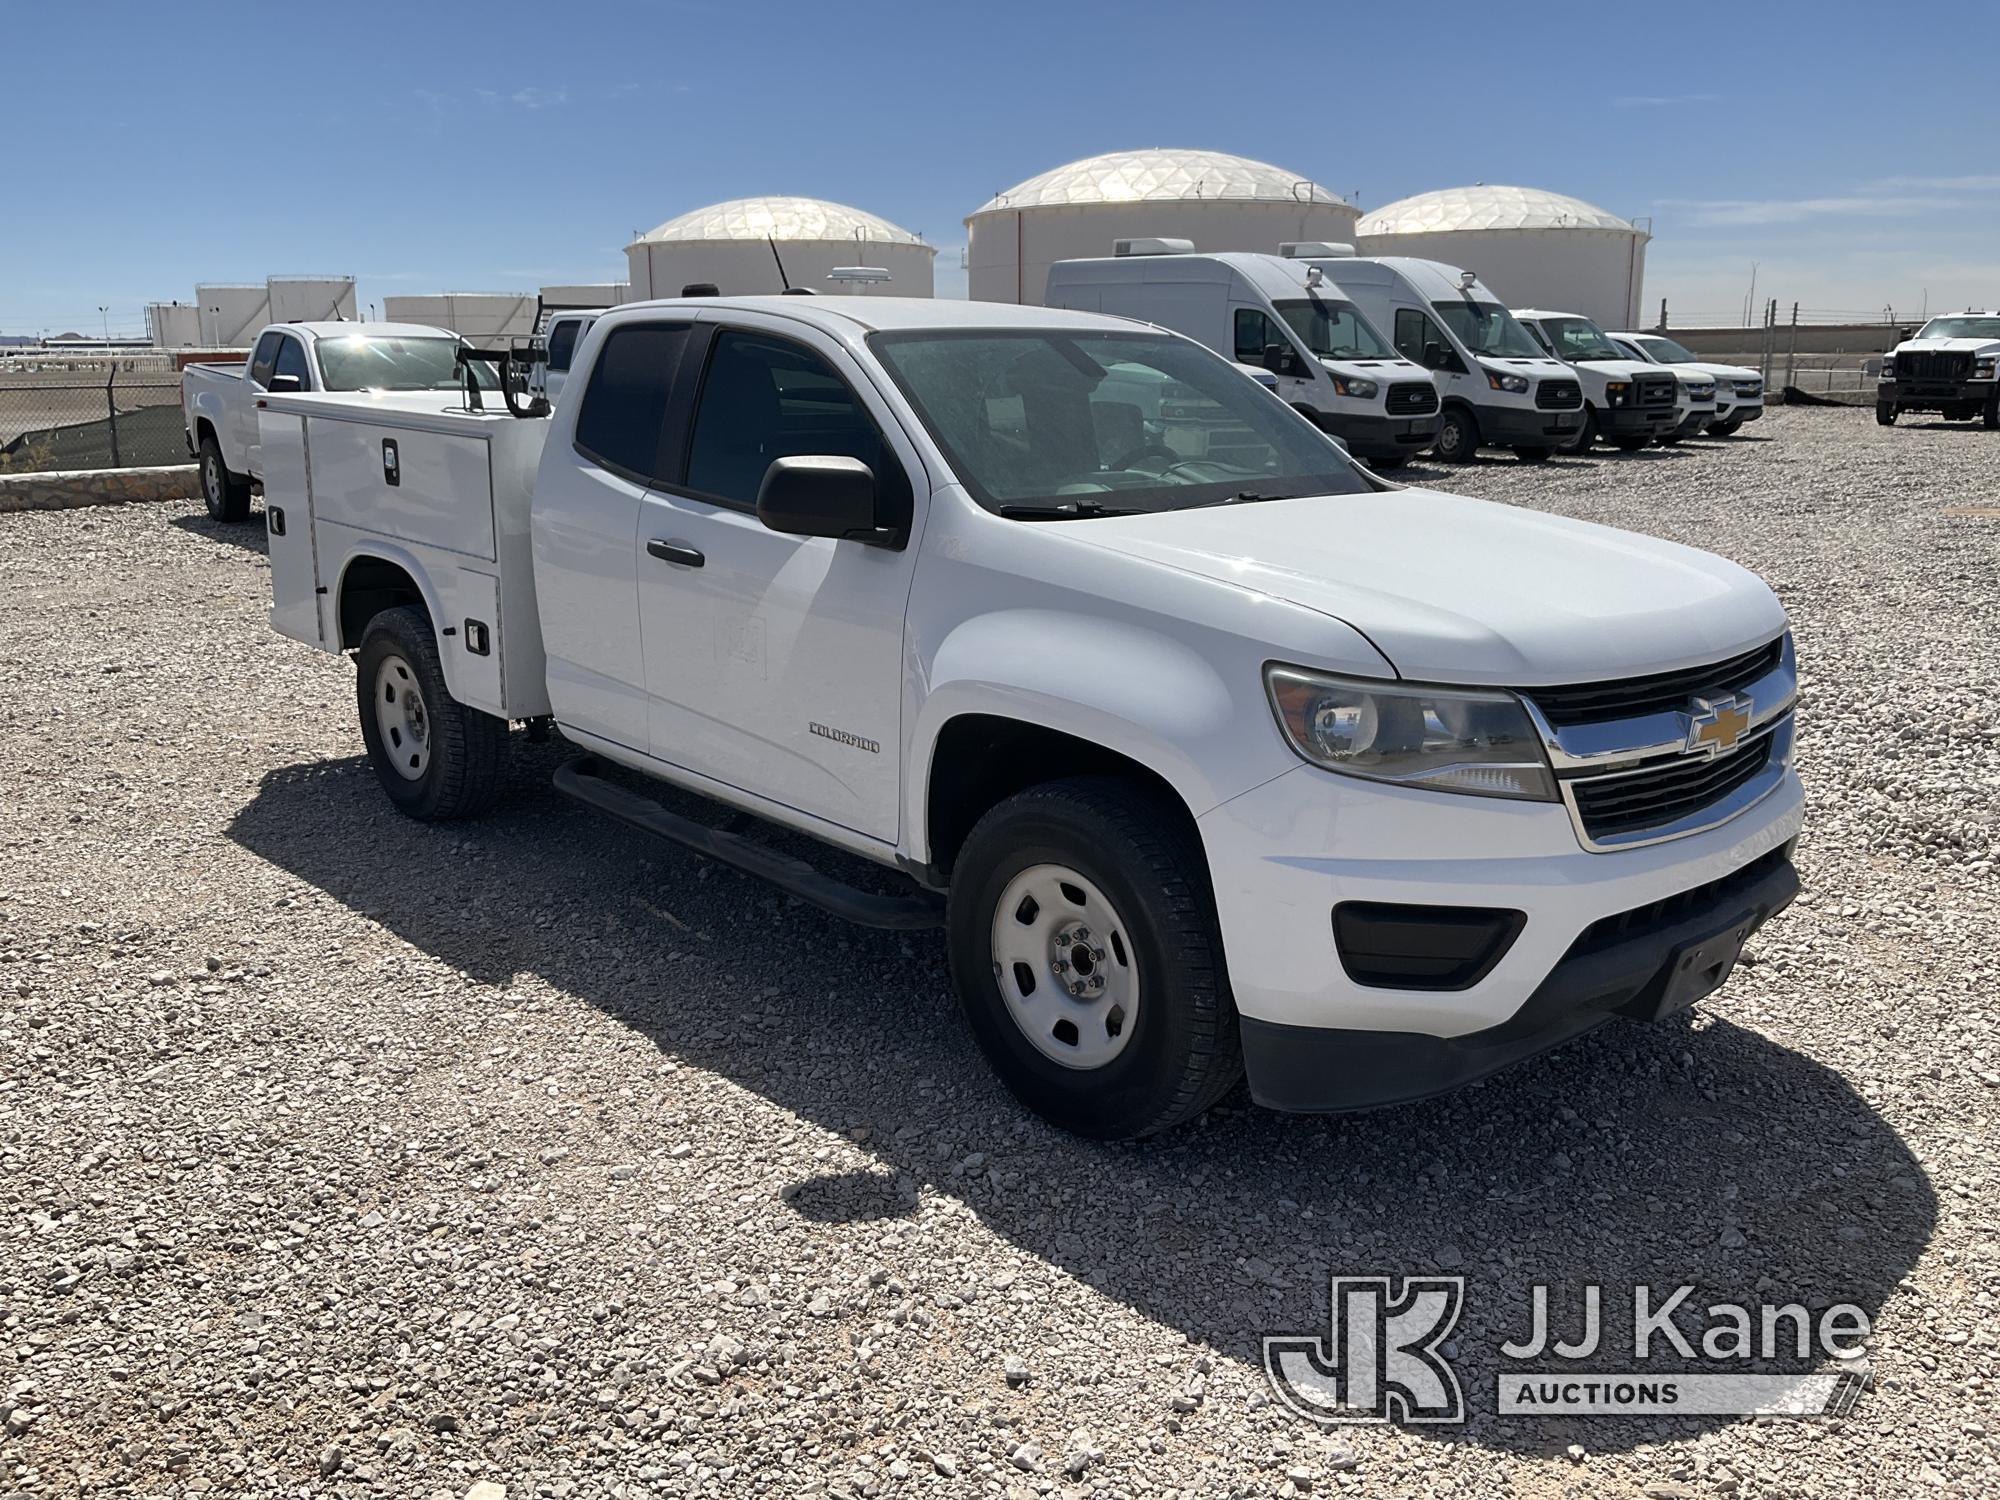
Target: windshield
1667,352
1962,326
1061,423
1575,339
1487,328
1333,330
371,363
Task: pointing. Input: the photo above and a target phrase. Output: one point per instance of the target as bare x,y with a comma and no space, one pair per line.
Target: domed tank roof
1488,206
785,219
1161,175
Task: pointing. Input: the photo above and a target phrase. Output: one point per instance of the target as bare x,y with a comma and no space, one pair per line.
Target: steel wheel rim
401,717
1449,438
211,478
1065,966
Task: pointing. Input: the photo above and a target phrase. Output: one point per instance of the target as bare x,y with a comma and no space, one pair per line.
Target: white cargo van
1268,313
1497,386
1628,403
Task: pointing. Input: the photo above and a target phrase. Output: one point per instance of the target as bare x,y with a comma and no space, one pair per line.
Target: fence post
1792,354
1663,315
111,410
1764,369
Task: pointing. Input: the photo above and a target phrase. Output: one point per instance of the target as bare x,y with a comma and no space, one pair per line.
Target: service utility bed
360,486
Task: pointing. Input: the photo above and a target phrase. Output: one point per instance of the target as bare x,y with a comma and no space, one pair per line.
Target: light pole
105,313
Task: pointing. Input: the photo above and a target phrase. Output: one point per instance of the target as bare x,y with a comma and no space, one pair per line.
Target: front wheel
1586,435
1088,964
226,496
436,758
1457,438
1533,455
1728,427
1630,444
1885,414
1990,413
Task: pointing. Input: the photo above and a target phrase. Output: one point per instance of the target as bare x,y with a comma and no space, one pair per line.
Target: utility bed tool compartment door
288,521
442,489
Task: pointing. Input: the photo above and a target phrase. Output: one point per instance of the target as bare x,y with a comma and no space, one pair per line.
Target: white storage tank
1214,200
1532,247
311,299
586,294
232,313
173,325
730,247
479,316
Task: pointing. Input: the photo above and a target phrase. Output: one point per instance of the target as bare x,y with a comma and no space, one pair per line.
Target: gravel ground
341,1155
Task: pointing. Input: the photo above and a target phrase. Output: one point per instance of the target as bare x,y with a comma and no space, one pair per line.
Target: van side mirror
1435,357
820,494
1281,359
282,385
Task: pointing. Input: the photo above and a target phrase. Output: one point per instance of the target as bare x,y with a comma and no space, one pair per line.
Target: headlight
1445,739
1347,385
1500,380
1756,387
1701,392
1888,369
1982,367
1617,392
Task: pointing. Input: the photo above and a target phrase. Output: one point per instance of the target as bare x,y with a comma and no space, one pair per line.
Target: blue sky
1847,148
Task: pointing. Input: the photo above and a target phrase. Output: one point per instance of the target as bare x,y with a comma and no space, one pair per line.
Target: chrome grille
1602,702
1657,795
1559,395
1412,397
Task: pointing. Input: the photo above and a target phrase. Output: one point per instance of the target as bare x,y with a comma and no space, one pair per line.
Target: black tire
1990,413
1630,444
1586,435
1533,454
1728,427
1457,438
226,495
459,754
1183,1053
1885,414
1669,441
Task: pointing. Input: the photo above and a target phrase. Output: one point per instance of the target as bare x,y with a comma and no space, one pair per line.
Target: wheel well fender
376,578
1045,695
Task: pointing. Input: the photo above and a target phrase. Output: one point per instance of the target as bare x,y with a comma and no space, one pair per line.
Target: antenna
783,280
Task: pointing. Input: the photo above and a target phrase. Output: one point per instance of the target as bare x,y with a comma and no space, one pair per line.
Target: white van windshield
1048,424
1333,330
1487,328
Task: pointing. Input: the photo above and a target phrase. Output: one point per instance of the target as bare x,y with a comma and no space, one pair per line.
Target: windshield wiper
1244,497
1071,512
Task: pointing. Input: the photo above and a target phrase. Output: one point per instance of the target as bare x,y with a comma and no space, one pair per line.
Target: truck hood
1456,590
1974,346
1621,369
1720,372
1376,369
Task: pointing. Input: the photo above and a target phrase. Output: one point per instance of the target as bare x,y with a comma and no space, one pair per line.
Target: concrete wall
1599,273
1834,338
660,268
1009,251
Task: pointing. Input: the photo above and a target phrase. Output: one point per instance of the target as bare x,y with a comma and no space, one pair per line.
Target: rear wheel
1088,964
1885,414
226,496
1458,437
436,758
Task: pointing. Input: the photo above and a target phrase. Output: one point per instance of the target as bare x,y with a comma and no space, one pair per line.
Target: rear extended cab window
622,422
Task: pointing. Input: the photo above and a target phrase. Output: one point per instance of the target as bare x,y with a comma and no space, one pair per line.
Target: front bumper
1636,421
1630,974
1384,437
1696,419
1526,426
1933,395
1277,884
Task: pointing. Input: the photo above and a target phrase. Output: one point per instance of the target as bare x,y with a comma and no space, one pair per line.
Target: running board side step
581,779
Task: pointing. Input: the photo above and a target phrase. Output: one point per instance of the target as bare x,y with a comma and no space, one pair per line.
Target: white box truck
1498,388
1270,313
1222,755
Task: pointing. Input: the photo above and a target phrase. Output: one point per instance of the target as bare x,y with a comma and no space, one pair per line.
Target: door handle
676,552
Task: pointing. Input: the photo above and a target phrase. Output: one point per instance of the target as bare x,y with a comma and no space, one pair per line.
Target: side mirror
282,385
1434,357
1280,359
819,494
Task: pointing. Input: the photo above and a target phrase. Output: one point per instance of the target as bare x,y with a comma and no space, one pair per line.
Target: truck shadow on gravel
1701,1154
249,535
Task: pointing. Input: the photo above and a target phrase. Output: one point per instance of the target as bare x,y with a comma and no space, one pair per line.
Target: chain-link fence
95,419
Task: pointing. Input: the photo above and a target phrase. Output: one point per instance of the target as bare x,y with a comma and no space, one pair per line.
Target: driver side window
1253,331
1414,333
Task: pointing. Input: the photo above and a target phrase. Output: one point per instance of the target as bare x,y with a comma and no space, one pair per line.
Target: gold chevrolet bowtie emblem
1716,724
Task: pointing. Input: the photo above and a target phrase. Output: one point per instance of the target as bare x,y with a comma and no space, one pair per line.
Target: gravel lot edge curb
68,489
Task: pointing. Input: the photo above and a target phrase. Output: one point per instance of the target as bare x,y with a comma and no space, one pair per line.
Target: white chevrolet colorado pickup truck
1211,751
219,402
1949,367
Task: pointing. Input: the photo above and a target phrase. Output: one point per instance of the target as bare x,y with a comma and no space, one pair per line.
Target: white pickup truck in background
1212,753
1739,390
219,402
1950,366
1626,402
